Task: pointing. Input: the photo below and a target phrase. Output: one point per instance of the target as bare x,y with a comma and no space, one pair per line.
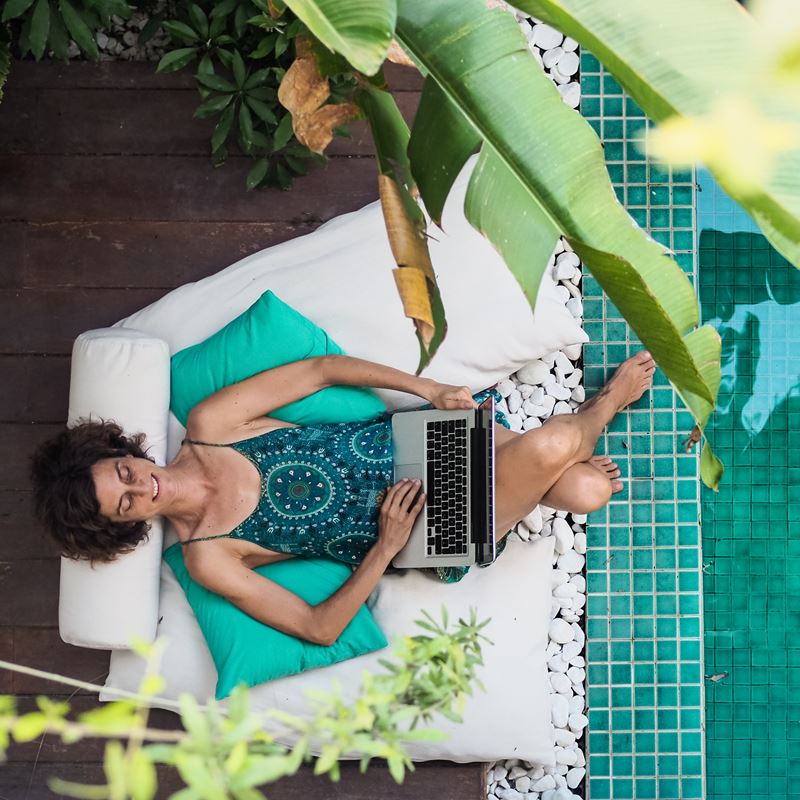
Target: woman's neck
192,491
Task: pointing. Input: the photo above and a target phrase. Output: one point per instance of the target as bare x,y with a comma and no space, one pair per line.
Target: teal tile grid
644,609
751,527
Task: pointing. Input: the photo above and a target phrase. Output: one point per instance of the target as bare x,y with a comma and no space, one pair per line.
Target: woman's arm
270,603
341,369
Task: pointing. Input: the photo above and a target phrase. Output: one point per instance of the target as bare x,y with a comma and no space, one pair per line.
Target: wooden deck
108,200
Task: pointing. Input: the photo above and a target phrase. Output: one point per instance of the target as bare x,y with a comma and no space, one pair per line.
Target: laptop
452,453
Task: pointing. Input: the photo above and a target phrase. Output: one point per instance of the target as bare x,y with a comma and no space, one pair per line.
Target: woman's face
130,489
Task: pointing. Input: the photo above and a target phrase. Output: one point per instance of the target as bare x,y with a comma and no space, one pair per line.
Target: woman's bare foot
633,377
610,469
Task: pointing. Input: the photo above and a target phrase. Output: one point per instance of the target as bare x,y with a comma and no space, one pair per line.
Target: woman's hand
398,514
447,397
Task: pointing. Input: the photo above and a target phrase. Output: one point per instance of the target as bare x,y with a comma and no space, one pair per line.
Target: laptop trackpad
407,471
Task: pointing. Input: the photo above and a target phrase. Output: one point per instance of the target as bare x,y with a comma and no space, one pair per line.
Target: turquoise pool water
751,528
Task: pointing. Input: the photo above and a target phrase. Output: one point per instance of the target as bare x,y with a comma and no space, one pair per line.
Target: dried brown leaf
397,55
303,90
315,130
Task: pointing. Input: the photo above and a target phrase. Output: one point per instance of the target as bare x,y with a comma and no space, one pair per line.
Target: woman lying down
245,490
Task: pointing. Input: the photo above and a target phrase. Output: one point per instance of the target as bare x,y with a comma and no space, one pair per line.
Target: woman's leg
529,465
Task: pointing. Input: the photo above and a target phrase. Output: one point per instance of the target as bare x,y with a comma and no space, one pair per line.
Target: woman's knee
555,444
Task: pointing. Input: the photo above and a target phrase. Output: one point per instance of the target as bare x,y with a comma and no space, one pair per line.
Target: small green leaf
217,27
29,726
199,19
180,30
246,125
257,173
239,69
262,110
151,26
283,132
40,27
59,39
193,719
213,106
78,29
15,8
225,7
222,129
257,78
176,59
215,82
143,782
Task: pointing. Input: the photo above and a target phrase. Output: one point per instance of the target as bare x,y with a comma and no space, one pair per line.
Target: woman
318,490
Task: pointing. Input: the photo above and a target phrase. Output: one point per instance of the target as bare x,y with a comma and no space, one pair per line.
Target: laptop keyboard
448,487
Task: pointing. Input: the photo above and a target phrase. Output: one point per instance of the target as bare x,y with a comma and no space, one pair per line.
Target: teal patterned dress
322,487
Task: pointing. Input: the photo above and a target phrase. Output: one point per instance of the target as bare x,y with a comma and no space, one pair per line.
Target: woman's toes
616,486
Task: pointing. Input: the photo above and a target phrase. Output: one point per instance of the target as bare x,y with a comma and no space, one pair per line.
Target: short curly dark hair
64,495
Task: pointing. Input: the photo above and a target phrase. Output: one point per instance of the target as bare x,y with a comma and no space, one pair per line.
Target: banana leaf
680,60
541,173
360,30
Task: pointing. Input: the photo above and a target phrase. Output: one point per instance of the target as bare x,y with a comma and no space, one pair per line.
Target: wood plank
21,440
72,188
40,389
13,242
43,648
7,654
29,592
21,535
147,122
27,74
61,315
154,254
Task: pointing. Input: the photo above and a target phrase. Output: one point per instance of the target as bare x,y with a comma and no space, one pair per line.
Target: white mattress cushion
510,720
340,277
120,375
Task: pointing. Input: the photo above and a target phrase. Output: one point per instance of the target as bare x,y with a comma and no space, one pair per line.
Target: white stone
565,538
101,39
573,351
531,422
580,542
576,674
546,37
551,57
569,44
579,518
561,683
523,784
563,293
500,772
578,661
569,615
559,392
557,664
505,387
577,722
552,649
571,562
564,737
563,362
563,270
568,63
533,373
564,756
535,409
525,390
514,401
577,704
575,776
562,407
129,37
558,76
537,395
534,520
581,762
558,577
571,95
515,421
549,403
534,773
547,512
559,709
579,689
571,381
508,794
516,771
560,631
579,635
544,783
578,394
566,590
575,307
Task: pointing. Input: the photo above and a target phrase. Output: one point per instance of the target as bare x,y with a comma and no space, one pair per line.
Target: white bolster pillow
120,375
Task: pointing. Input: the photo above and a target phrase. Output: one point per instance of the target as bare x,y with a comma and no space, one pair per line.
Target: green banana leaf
679,61
541,173
360,30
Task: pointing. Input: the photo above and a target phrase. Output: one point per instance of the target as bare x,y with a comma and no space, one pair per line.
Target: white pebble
568,63
565,538
563,756
534,520
557,664
559,392
581,762
514,401
571,381
531,423
571,94
579,635
578,661
516,771
534,773
564,737
558,577
500,772
515,421
573,351
551,57
575,307
569,44
563,293
535,410
505,387
559,709
544,783
577,722
577,704
579,581
562,407
570,649
576,674
537,395
523,784
580,542
561,683
575,776
563,362
534,372
567,590
561,631
571,562
546,37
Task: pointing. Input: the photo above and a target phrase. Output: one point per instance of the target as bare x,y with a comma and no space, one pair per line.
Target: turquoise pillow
270,333
246,650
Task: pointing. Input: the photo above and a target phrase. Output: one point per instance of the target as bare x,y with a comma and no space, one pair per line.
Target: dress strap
206,538
208,444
